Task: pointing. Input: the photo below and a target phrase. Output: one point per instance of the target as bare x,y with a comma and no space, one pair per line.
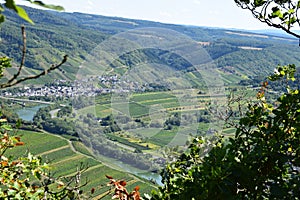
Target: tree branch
45,72
262,14
14,80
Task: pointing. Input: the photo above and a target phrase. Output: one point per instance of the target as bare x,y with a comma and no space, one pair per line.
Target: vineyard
65,157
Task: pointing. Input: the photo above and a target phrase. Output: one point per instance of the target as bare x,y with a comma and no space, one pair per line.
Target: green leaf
53,7
2,18
37,174
19,10
291,11
17,185
292,21
258,3
10,4
11,192
7,127
276,13
42,4
22,13
18,123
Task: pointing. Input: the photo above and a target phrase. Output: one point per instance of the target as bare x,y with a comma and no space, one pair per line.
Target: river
113,163
27,113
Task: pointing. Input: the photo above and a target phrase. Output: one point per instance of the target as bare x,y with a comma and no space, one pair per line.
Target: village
91,86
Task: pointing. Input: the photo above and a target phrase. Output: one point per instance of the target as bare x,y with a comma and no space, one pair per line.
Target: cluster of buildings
91,86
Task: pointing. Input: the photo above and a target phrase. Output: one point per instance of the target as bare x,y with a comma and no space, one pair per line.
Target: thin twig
46,71
23,56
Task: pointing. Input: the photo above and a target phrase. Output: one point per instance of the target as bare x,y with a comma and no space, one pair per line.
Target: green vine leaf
22,13
52,7
19,10
259,3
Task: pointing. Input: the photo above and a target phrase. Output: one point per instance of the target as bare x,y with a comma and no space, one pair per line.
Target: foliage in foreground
280,14
262,161
27,177
11,4
120,191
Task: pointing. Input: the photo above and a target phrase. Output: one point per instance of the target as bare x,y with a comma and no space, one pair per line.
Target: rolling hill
237,54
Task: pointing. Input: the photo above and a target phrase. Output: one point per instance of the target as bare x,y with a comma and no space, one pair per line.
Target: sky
211,13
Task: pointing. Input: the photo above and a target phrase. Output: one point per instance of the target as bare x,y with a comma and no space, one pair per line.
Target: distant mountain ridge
121,24
276,32
238,53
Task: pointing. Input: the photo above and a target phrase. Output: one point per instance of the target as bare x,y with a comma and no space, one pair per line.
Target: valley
133,92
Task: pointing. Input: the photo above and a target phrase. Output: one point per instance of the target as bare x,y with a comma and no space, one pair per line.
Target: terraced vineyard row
64,161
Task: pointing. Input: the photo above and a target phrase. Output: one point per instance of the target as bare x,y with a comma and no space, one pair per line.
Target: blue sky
212,13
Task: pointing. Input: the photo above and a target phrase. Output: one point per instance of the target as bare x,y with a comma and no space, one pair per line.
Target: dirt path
77,157
53,150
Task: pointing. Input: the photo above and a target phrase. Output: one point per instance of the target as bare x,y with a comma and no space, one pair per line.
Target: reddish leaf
4,163
92,190
123,183
19,144
137,188
109,177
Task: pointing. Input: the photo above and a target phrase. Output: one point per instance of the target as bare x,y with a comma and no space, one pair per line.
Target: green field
146,114
38,143
65,157
102,110
79,147
149,106
138,110
140,104
151,96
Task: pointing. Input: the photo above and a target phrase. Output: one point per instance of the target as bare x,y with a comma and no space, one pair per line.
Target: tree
281,14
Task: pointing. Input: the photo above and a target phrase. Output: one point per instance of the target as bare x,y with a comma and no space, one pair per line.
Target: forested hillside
238,54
